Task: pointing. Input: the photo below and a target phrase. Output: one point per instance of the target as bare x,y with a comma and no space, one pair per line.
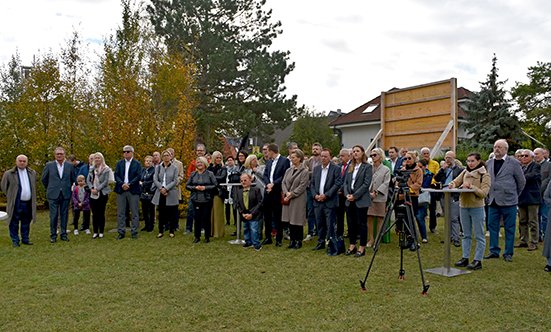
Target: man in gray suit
507,184
19,185
324,187
57,178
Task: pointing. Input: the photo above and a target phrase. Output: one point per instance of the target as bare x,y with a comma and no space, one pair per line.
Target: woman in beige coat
379,193
294,186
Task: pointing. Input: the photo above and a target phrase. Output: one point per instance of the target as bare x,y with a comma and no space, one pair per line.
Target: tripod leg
414,233
402,243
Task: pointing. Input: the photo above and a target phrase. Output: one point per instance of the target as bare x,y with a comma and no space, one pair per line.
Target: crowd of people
276,197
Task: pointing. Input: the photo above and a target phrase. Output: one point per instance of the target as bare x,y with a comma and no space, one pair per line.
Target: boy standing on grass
249,201
81,200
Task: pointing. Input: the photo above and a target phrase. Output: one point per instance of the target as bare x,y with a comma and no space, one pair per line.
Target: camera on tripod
402,177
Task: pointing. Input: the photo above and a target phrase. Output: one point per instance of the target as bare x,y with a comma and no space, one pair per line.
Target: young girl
81,200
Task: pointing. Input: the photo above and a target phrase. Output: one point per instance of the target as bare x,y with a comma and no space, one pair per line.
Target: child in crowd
81,200
248,203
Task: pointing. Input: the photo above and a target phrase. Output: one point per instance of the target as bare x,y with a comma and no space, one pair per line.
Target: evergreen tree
489,116
240,82
312,128
534,102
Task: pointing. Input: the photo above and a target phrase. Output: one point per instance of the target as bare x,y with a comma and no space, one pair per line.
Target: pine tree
489,116
240,82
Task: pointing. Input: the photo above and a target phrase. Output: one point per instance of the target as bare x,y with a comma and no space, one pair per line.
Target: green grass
171,284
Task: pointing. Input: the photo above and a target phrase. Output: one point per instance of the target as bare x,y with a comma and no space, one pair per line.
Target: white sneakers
88,231
76,231
308,238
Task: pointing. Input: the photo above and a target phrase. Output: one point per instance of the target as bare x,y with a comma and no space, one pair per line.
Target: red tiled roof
357,115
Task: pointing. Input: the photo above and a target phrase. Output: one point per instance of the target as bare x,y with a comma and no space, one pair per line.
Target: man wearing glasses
265,158
507,184
57,178
127,186
529,202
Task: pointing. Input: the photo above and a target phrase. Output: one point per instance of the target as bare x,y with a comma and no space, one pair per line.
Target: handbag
283,201
111,176
424,198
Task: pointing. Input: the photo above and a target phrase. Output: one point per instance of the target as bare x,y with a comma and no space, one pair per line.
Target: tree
489,115
534,102
312,128
240,82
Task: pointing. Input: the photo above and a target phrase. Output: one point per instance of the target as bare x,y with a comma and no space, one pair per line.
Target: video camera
402,177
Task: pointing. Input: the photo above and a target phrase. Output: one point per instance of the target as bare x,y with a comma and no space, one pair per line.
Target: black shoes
475,265
320,246
359,254
298,245
65,239
27,243
120,237
508,258
278,243
135,236
456,243
547,268
234,234
16,244
292,244
196,240
53,240
350,252
491,255
463,262
206,241
267,241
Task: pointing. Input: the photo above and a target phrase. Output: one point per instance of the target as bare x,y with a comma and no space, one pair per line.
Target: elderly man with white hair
529,202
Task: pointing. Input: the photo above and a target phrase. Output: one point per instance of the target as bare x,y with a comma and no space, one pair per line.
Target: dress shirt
60,169
356,169
25,184
126,168
393,162
324,171
164,178
274,164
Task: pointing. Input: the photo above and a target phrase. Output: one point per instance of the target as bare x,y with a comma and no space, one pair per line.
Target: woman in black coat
201,183
148,190
220,173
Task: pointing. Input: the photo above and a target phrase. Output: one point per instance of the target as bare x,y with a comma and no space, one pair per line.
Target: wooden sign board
419,116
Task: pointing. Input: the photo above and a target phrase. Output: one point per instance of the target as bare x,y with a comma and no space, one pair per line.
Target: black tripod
406,230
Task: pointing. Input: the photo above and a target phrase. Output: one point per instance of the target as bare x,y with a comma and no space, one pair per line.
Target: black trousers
272,213
148,210
202,217
297,232
167,216
98,212
358,224
432,210
340,215
85,218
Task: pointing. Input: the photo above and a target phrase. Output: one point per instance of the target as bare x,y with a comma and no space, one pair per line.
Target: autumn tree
239,80
534,102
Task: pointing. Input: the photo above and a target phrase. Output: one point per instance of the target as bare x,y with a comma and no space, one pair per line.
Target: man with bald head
19,185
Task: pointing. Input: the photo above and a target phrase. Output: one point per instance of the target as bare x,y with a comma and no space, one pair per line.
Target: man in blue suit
127,187
507,184
344,157
273,175
395,159
57,178
324,187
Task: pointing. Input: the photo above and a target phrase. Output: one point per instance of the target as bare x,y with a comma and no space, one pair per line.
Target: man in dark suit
127,187
19,185
248,203
57,178
529,202
324,187
273,175
344,157
395,159
545,178
507,184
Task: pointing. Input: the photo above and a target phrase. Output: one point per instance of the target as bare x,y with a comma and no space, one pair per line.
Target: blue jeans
542,217
250,232
473,218
421,215
310,210
22,214
509,214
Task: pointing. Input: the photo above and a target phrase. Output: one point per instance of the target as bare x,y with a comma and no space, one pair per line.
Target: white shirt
25,184
324,172
393,162
126,168
60,168
274,164
164,178
356,169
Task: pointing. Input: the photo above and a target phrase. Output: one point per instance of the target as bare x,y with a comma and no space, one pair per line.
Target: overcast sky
345,52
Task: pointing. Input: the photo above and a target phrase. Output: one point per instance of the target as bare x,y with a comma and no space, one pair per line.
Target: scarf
97,172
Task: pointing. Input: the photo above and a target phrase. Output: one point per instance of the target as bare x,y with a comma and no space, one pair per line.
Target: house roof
358,115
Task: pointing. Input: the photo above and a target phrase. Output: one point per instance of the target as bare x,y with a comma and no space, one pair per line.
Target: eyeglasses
373,155
126,151
60,154
408,158
243,181
525,155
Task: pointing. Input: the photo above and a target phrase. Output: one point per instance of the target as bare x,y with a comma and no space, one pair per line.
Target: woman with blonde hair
201,183
98,182
378,192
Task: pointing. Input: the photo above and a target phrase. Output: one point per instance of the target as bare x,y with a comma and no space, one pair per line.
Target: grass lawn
171,284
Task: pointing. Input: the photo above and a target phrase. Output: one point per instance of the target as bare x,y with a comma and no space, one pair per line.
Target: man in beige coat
19,185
